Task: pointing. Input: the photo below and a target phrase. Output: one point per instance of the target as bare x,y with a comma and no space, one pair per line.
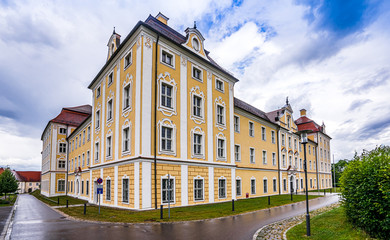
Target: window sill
168,65
127,66
220,90
197,79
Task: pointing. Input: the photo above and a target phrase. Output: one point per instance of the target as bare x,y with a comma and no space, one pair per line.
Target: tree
8,182
337,170
365,191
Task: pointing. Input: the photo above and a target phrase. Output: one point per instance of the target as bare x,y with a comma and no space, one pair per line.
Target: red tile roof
29,176
83,109
1,170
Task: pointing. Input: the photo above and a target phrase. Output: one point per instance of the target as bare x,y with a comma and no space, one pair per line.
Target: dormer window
167,58
195,44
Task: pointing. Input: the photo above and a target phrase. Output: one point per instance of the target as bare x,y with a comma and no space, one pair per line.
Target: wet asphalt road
34,220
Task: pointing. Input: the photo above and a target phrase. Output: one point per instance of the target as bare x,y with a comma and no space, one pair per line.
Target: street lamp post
304,142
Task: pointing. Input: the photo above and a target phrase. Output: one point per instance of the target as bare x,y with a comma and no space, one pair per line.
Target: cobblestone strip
278,230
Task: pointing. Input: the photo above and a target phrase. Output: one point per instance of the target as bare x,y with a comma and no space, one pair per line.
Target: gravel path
278,230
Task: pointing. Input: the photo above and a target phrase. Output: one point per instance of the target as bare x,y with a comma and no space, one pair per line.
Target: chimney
162,18
303,112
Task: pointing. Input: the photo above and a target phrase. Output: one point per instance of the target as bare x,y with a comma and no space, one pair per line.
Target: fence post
324,192
67,203
85,208
269,200
233,205
161,212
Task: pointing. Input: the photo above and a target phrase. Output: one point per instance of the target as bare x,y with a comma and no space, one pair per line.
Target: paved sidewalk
4,214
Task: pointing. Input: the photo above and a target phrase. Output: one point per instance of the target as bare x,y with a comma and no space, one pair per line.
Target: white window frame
167,80
125,177
110,112
98,92
128,59
263,134
167,52
237,155
62,131
108,189
198,131
274,184
273,159
61,164
219,102
265,157
216,85
284,160
251,127
252,158
109,146
283,139
169,124
200,79
97,119
265,186
224,187
129,87
199,178
273,136
253,186
88,157
236,124
172,178
110,78
221,136
239,186
83,158
97,152
127,126
89,133
284,185
62,147
195,92
58,185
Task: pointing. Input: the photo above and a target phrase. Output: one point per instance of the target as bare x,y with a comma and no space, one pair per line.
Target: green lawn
9,201
53,201
330,225
327,190
181,213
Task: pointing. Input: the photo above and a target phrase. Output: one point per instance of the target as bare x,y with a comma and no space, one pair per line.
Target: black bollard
291,196
324,192
67,203
85,208
233,205
331,190
58,201
269,200
161,211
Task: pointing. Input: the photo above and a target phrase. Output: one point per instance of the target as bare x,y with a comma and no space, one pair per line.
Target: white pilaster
117,107
146,185
184,185
211,184
52,183
147,80
101,175
103,123
54,144
116,186
183,110
137,125
233,183
136,185
231,121
90,184
210,116
92,138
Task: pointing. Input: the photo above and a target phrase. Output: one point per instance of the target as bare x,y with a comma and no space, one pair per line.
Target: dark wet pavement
34,220
4,213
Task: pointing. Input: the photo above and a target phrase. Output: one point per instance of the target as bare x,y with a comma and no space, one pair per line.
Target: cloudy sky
330,57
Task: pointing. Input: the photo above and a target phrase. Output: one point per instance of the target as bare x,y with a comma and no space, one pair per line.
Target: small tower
113,44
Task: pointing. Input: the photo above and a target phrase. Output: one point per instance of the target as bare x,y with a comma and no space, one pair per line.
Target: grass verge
330,225
9,201
198,212
53,201
328,190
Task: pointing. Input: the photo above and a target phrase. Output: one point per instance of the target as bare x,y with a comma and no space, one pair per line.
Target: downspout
279,161
155,123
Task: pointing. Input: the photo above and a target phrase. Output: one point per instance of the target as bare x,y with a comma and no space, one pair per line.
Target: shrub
365,191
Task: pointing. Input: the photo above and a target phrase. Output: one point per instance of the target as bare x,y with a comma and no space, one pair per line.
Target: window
296,162
96,152
295,143
264,157
62,148
274,159
238,187
166,139
196,73
309,150
61,186
253,186
72,165
251,129
87,187
166,95
126,139
80,140
62,130
197,144
301,183
109,147
220,115
195,44
263,133
265,184
221,148
198,189
109,110
274,184
289,142
97,122
125,190
236,124
79,162
83,137
219,85
126,97
273,136
311,183
127,60
108,189
167,190
110,78
89,133
83,159
197,106
283,139
70,146
98,92
284,160
71,186
310,164
61,164
167,58
221,188
284,185
251,155
237,154
88,157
